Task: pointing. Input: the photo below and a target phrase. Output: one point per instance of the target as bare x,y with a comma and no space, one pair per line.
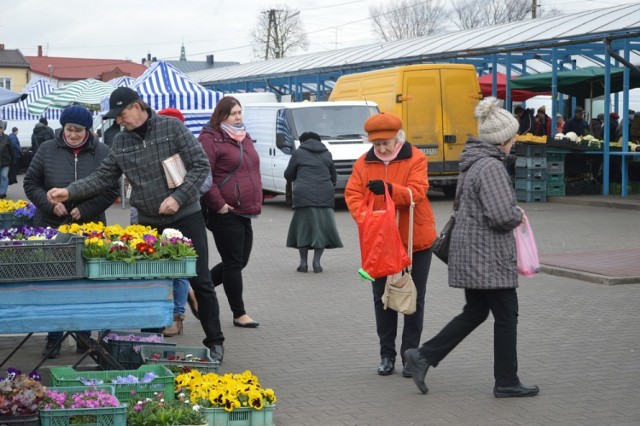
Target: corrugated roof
585,27
193,66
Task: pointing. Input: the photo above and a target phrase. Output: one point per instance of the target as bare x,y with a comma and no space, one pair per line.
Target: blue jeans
180,294
4,180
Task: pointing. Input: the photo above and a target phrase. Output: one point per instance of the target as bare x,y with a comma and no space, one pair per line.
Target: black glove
377,186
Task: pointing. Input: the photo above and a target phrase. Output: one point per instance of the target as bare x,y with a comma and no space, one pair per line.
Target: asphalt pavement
316,345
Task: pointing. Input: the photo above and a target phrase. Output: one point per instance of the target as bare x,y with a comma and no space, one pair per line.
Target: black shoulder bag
441,246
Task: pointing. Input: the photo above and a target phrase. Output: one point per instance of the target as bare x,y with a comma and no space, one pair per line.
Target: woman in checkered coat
482,256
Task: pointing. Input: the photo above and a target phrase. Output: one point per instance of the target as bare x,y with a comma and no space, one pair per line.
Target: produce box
531,185
529,138
101,416
531,162
24,420
240,416
164,383
42,260
128,352
102,269
193,357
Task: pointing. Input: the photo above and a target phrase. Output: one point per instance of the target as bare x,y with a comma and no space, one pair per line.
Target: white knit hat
495,124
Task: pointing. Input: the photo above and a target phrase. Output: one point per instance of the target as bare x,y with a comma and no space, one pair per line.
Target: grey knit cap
495,124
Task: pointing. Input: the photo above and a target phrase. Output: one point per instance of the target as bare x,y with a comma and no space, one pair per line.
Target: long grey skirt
313,227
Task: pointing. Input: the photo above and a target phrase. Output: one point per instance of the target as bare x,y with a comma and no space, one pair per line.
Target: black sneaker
50,344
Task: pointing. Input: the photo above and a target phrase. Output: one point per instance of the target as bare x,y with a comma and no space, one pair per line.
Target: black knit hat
77,115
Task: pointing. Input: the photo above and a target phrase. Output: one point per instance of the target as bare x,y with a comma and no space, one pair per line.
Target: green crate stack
555,169
164,382
531,173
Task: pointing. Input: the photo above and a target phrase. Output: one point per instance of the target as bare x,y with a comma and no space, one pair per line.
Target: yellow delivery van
435,102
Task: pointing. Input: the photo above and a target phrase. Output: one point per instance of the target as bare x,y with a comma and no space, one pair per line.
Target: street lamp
51,67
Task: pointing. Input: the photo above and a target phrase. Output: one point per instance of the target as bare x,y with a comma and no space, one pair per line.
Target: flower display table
42,306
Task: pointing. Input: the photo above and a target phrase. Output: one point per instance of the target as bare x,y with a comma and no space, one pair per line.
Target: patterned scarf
237,133
389,157
86,138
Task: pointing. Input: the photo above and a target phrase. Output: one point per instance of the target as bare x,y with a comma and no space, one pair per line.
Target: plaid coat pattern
482,254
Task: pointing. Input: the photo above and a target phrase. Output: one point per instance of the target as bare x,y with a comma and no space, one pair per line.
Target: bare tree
469,14
278,31
407,18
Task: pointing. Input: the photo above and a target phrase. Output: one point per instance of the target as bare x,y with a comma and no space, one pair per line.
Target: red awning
486,82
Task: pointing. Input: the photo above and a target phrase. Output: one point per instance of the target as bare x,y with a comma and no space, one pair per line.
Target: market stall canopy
9,97
87,92
36,89
582,83
486,86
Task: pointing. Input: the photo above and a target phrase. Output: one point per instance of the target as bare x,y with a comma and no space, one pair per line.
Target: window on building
5,82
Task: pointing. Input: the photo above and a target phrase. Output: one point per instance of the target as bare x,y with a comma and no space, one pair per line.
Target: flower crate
25,420
102,269
10,220
164,383
240,416
180,353
42,260
127,352
100,416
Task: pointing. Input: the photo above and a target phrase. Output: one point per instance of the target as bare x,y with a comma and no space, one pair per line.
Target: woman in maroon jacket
233,200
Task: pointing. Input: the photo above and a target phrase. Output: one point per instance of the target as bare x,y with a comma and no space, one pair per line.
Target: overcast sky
133,28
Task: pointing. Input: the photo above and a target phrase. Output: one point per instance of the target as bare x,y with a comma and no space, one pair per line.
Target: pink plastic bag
526,250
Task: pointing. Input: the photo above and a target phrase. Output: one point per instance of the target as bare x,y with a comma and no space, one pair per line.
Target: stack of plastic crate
555,175
531,173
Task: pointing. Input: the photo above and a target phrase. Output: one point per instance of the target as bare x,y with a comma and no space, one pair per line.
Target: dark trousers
192,227
233,236
387,319
504,306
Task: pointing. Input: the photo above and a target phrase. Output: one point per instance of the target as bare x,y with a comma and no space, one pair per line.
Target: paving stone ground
317,347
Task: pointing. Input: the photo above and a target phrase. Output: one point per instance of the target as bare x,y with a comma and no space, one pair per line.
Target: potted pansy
219,395
158,412
20,397
134,252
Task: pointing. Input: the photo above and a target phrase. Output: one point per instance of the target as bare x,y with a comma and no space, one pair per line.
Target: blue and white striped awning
36,89
164,86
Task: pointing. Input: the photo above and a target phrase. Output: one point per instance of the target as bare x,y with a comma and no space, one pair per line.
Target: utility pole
534,9
271,21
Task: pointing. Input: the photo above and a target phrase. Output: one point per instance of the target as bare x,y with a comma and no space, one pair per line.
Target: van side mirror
280,141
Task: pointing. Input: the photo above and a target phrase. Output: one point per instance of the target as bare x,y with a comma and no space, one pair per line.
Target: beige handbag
400,292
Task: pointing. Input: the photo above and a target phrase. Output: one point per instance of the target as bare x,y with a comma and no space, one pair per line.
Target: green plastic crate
104,416
10,220
555,179
128,353
531,196
209,366
102,269
25,420
164,383
531,162
42,260
556,190
240,416
531,185
554,156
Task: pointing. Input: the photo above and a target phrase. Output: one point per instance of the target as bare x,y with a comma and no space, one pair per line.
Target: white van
276,128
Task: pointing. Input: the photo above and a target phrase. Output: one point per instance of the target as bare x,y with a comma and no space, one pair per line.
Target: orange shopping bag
381,249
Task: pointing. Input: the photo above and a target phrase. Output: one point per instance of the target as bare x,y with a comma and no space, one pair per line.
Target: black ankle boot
302,267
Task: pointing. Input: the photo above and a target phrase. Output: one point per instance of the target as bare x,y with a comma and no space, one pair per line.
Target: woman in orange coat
401,167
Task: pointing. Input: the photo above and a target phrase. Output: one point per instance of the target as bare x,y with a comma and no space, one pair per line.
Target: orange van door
422,99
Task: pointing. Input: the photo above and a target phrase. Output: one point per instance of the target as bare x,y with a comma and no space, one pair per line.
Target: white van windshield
333,122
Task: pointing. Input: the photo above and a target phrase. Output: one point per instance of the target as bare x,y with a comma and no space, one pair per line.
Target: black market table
44,306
